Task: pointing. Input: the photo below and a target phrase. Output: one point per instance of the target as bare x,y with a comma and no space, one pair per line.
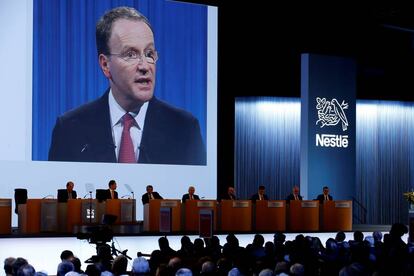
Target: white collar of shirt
116,113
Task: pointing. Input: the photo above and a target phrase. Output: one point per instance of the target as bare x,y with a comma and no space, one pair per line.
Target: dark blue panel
328,126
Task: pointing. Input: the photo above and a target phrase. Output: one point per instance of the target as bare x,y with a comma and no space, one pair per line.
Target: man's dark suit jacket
63,195
187,196
228,197
170,136
108,194
256,197
292,197
321,198
145,197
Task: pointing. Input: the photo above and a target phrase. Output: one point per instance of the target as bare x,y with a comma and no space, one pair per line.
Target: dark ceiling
260,46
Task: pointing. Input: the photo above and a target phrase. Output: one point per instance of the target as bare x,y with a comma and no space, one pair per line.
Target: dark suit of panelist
187,196
146,198
63,195
321,198
108,194
257,197
292,197
170,136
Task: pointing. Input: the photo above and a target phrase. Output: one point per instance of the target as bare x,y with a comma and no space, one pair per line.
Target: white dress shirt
116,113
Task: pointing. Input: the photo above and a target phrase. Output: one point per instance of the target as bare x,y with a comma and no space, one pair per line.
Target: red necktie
126,150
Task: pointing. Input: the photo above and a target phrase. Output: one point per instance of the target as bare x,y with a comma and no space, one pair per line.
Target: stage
43,252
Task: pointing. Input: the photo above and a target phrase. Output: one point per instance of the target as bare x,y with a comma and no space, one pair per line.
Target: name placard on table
309,204
168,204
241,204
6,202
275,204
205,203
342,204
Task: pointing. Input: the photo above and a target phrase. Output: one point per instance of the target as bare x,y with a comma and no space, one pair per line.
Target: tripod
115,251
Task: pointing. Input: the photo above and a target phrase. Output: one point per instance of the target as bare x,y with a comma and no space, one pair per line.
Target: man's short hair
19,262
149,186
119,265
208,267
66,254
26,269
377,235
340,236
262,187
69,182
184,272
8,265
325,187
111,182
104,25
64,267
140,265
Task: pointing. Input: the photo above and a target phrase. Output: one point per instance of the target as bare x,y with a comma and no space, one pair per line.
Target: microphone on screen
84,148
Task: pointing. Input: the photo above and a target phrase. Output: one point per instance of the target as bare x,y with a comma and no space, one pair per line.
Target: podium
38,215
82,212
91,211
191,213
5,216
336,215
236,215
62,217
303,215
47,215
154,211
124,209
270,215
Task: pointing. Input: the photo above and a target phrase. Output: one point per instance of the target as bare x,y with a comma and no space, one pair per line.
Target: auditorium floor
43,252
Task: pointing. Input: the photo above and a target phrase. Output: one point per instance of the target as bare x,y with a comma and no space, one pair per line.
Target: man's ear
103,62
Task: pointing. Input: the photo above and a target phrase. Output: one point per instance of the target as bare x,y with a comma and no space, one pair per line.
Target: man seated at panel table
190,195
325,196
230,194
150,194
68,193
294,195
111,193
260,195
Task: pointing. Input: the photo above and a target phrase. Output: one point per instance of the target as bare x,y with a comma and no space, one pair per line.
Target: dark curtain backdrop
267,145
66,72
267,151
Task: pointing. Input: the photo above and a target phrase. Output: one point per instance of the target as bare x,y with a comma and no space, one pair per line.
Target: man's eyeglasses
131,56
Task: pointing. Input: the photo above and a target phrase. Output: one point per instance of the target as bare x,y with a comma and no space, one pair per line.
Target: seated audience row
305,255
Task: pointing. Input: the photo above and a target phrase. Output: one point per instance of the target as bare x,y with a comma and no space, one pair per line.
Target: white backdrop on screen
44,178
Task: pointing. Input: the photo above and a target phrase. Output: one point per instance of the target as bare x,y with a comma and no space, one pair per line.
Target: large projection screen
27,120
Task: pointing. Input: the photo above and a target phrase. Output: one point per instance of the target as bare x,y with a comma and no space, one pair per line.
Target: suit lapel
98,132
152,136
